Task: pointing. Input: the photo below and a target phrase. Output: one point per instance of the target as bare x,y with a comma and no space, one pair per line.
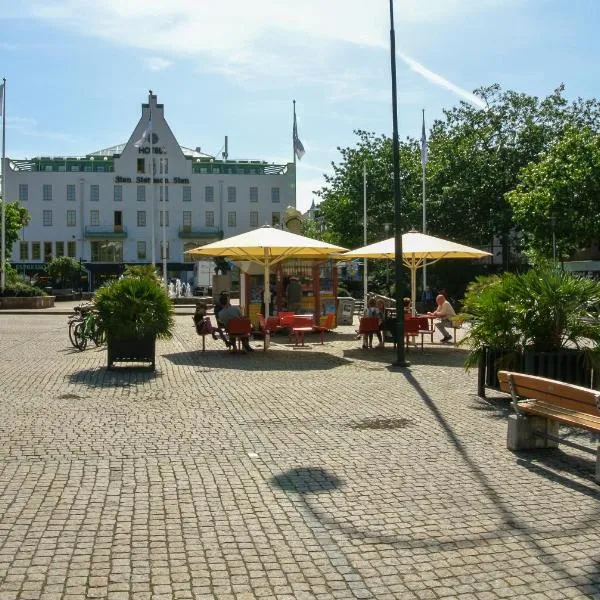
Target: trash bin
345,310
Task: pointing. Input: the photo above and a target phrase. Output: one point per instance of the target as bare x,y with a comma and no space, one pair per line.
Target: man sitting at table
227,313
444,312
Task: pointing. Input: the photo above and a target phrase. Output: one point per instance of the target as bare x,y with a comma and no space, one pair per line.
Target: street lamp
400,360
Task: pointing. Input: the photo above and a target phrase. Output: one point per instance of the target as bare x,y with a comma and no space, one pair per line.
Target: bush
134,307
16,288
543,310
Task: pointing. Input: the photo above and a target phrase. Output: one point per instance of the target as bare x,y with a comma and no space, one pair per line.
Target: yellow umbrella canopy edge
267,245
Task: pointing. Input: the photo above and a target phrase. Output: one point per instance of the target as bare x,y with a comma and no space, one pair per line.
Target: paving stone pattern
299,473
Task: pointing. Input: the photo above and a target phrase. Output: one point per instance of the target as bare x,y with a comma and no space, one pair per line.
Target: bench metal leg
597,475
524,433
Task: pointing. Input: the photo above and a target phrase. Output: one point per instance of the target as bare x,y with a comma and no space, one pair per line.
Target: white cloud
26,126
156,63
441,81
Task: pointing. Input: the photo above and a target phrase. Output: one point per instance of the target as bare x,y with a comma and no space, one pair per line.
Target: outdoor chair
327,324
237,329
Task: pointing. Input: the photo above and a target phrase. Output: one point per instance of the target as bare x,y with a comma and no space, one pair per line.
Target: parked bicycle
83,326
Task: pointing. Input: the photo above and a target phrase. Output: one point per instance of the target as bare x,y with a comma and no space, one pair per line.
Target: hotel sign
171,180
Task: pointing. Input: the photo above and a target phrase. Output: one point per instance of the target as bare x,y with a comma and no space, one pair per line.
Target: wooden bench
541,405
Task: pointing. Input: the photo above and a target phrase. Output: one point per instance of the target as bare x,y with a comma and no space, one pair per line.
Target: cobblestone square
299,473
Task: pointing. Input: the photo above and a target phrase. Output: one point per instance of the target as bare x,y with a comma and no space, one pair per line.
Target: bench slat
568,417
557,392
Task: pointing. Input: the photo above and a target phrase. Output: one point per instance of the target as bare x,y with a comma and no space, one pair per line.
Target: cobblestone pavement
315,472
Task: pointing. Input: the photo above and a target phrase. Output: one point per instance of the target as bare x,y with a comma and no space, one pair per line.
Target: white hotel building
108,208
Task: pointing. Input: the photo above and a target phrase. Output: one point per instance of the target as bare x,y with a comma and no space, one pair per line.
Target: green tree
63,270
16,218
560,192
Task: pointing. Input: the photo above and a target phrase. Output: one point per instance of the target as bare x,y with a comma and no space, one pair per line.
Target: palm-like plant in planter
133,312
544,322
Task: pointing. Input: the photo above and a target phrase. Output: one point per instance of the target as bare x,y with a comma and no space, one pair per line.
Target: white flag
145,135
298,147
1,100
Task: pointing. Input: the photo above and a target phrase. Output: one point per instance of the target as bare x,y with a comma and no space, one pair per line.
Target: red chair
300,326
267,328
238,328
327,324
426,328
411,329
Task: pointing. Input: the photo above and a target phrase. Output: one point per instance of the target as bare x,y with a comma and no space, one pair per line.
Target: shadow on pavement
119,377
300,359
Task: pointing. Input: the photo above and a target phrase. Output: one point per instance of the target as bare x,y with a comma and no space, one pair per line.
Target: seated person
444,312
201,321
230,312
221,303
374,311
407,306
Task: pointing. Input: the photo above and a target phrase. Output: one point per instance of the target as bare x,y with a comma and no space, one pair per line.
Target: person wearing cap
294,294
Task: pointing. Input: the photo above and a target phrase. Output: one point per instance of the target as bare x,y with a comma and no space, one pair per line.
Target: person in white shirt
444,312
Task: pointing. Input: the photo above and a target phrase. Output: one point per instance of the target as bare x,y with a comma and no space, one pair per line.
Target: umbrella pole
267,286
413,287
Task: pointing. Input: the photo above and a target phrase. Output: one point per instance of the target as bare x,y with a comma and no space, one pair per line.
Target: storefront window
104,251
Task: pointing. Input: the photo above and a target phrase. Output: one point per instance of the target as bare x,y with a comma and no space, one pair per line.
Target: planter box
139,351
18,302
566,365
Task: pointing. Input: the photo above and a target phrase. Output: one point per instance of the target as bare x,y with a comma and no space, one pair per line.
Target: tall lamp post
400,360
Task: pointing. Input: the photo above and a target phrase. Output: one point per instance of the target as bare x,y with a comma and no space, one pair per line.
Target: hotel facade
115,206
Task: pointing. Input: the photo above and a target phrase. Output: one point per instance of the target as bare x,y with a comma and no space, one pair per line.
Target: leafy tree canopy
16,218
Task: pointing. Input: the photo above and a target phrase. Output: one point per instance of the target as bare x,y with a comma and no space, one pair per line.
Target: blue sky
78,70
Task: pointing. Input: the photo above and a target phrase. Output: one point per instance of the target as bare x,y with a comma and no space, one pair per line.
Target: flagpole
164,220
365,235
153,187
424,165
3,235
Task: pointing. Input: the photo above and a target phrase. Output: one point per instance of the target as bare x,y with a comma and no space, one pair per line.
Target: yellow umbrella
417,248
267,246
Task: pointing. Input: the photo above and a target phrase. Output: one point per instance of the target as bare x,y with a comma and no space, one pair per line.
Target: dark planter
568,365
134,350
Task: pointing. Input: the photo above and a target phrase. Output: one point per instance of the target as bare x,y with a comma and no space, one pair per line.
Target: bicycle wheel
98,336
72,325
79,335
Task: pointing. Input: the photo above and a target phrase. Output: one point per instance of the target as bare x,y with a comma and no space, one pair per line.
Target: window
24,251
23,192
209,218
164,166
275,219
187,193
36,251
94,193
103,251
141,250
141,165
253,218
71,249
209,193
141,218
60,249
231,193
47,251
94,218
231,219
164,250
118,220
47,192
253,194
188,258
164,216
187,220
47,218
71,218
71,193
141,193
275,194
164,189
118,193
